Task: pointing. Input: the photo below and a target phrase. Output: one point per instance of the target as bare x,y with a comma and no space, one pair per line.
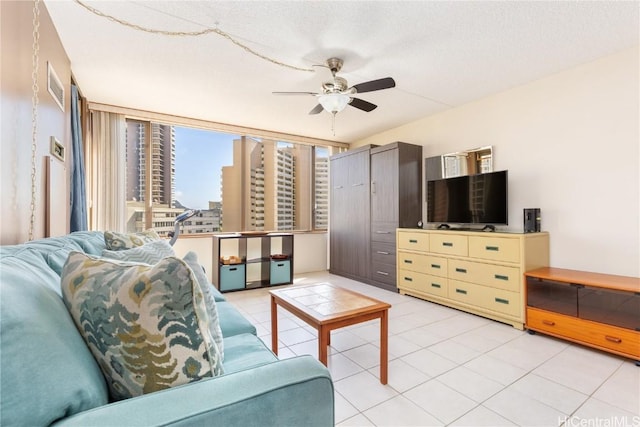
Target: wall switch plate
57,149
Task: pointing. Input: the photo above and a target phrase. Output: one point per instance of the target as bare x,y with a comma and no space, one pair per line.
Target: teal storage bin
232,277
280,272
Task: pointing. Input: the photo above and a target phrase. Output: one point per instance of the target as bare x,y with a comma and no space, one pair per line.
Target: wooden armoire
374,190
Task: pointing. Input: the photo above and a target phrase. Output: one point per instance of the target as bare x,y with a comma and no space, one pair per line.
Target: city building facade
270,186
161,155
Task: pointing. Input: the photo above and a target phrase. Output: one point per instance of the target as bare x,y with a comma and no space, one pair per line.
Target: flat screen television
470,199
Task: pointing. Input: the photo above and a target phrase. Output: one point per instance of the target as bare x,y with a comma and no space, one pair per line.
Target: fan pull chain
333,123
34,112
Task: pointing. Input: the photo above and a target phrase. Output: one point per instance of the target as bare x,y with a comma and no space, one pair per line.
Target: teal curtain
78,184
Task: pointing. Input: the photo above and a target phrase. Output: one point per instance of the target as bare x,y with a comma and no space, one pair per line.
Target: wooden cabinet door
356,210
338,222
384,186
349,215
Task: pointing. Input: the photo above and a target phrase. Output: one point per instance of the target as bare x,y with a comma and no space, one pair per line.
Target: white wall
202,246
16,41
571,145
309,252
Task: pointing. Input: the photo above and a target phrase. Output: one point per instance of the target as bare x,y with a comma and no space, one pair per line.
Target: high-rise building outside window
238,183
321,188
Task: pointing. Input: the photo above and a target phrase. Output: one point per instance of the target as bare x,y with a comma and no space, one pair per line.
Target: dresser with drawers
473,271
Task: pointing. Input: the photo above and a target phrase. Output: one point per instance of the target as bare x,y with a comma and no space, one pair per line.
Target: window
239,183
321,188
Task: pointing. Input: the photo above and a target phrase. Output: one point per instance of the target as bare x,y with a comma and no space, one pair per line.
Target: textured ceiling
441,55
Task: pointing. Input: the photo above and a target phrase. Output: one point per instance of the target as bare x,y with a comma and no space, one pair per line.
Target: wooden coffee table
327,307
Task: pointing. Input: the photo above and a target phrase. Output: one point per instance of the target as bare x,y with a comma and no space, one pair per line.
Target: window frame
147,118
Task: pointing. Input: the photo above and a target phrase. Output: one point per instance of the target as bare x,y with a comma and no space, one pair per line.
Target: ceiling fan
336,94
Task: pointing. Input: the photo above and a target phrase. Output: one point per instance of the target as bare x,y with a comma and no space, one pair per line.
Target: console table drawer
500,277
502,301
619,340
496,276
496,300
423,263
383,232
465,271
494,248
467,293
420,282
449,244
412,261
383,252
385,273
436,266
413,241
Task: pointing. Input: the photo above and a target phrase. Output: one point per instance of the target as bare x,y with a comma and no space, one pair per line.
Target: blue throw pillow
149,253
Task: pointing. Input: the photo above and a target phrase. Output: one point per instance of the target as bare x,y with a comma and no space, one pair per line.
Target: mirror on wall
467,162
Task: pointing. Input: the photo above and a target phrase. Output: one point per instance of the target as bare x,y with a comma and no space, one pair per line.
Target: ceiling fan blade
294,93
379,84
362,105
317,109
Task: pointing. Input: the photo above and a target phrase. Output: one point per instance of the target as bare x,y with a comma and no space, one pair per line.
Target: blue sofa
49,377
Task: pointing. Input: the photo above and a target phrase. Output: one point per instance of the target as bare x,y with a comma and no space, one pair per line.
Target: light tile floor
447,367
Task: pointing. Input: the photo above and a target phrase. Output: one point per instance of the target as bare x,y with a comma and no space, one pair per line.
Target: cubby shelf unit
266,259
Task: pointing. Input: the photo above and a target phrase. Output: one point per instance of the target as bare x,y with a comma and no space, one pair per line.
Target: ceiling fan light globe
333,102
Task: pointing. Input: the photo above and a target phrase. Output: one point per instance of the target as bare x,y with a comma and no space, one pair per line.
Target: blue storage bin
280,272
232,277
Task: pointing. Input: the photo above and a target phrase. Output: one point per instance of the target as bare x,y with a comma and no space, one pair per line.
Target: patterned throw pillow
152,253
146,325
214,322
118,241
149,253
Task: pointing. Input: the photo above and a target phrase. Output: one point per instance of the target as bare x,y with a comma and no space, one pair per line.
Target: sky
200,156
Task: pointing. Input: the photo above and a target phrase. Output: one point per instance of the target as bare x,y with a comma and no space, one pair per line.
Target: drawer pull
408,261
382,252
501,277
613,339
435,266
448,244
384,273
502,300
413,240
360,184
461,270
492,248
549,322
461,291
435,285
383,232
408,279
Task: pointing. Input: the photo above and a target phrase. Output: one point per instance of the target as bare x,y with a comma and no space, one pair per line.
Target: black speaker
532,220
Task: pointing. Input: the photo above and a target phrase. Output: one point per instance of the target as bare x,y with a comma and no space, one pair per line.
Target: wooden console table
327,307
597,310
